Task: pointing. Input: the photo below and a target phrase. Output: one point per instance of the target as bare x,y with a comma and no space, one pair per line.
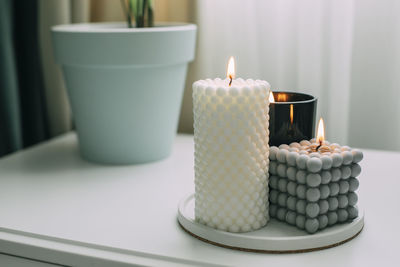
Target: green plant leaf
141,11
127,12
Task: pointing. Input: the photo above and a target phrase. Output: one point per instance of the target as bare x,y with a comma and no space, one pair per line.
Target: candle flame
291,114
271,97
230,72
320,131
282,97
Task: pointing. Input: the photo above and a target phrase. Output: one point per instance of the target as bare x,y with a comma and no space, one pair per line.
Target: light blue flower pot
125,87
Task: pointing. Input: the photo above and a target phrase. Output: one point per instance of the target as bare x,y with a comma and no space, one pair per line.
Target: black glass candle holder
292,117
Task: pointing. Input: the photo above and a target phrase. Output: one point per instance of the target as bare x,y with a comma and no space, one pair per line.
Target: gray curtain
10,132
55,12
22,107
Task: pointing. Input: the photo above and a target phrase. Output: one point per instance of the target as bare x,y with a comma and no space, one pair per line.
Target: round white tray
275,237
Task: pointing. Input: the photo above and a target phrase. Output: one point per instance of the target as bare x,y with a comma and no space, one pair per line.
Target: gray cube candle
312,185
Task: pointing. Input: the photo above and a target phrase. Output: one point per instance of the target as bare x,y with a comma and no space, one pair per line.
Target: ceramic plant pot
125,86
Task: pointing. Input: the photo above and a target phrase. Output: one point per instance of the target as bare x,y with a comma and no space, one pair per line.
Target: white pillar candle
231,153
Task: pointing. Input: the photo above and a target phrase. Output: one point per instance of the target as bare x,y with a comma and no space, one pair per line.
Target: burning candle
292,117
231,152
313,182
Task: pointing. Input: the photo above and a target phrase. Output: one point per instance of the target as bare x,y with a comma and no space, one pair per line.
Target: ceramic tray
275,237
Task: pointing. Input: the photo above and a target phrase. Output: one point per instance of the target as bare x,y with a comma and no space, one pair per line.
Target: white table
56,207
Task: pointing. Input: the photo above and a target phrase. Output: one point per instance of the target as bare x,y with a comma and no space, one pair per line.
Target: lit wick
291,131
291,113
317,148
320,133
230,71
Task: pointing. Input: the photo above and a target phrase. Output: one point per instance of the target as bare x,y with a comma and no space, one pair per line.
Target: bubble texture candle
231,153
313,186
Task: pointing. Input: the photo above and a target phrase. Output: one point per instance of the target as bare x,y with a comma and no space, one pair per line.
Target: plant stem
141,11
150,17
144,9
139,14
127,13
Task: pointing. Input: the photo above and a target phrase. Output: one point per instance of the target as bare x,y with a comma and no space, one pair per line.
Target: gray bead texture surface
310,191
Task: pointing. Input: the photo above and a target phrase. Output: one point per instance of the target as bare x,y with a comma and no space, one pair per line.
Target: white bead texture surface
231,153
313,190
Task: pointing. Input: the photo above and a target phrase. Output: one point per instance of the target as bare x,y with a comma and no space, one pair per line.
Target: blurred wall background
345,52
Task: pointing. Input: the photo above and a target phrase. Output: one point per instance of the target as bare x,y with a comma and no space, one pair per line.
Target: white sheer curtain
345,52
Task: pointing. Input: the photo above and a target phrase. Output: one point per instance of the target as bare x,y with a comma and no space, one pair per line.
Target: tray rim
327,238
